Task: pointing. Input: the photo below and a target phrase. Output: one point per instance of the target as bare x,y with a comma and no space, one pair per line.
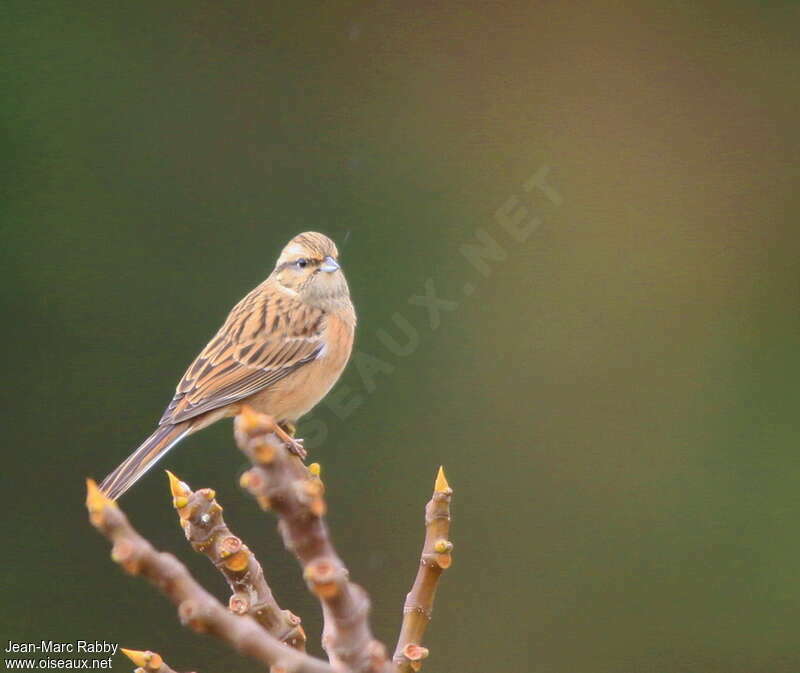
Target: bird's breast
295,395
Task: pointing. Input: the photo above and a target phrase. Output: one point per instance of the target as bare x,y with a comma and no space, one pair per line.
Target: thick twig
280,481
196,607
147,661
200,516
435,558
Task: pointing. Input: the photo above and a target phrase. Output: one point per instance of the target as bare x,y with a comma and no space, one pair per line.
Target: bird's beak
329,264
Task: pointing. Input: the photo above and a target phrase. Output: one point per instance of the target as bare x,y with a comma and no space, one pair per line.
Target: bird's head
309,267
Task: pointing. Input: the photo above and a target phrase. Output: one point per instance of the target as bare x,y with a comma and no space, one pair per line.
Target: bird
280,351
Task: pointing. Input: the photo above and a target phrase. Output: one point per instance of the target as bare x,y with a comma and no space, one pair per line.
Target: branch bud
415,654
237,561
176,486
96,502
264,452
443,546
238,604
230,545
250,421
144,658
441,485
322,578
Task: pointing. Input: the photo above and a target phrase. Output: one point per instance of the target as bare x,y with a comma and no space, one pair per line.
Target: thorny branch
200,516
255,624
436,557
280,481
197,608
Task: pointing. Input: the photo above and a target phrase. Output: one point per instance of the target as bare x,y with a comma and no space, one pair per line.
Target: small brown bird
280,351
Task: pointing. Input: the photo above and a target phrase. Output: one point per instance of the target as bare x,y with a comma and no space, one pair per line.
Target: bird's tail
141,460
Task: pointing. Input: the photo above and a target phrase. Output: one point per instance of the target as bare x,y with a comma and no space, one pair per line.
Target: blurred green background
615,404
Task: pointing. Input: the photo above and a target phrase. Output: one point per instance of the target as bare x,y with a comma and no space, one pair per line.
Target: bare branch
280,481
197,608
200,516
435,558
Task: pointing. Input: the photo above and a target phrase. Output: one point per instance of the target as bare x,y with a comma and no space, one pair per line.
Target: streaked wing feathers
266,337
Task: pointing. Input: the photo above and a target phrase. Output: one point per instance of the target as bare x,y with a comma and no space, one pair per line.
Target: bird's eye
302,262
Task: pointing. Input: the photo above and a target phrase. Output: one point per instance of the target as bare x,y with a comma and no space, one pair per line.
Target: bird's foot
297,448
285,432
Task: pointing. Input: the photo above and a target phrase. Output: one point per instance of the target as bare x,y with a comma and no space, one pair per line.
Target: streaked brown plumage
280,350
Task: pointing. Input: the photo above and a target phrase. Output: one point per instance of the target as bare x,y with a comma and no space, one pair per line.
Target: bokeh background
615,404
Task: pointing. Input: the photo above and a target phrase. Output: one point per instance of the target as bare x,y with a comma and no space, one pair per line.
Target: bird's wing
267,336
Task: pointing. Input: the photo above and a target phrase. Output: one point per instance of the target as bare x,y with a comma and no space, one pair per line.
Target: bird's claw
285,432
296,447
